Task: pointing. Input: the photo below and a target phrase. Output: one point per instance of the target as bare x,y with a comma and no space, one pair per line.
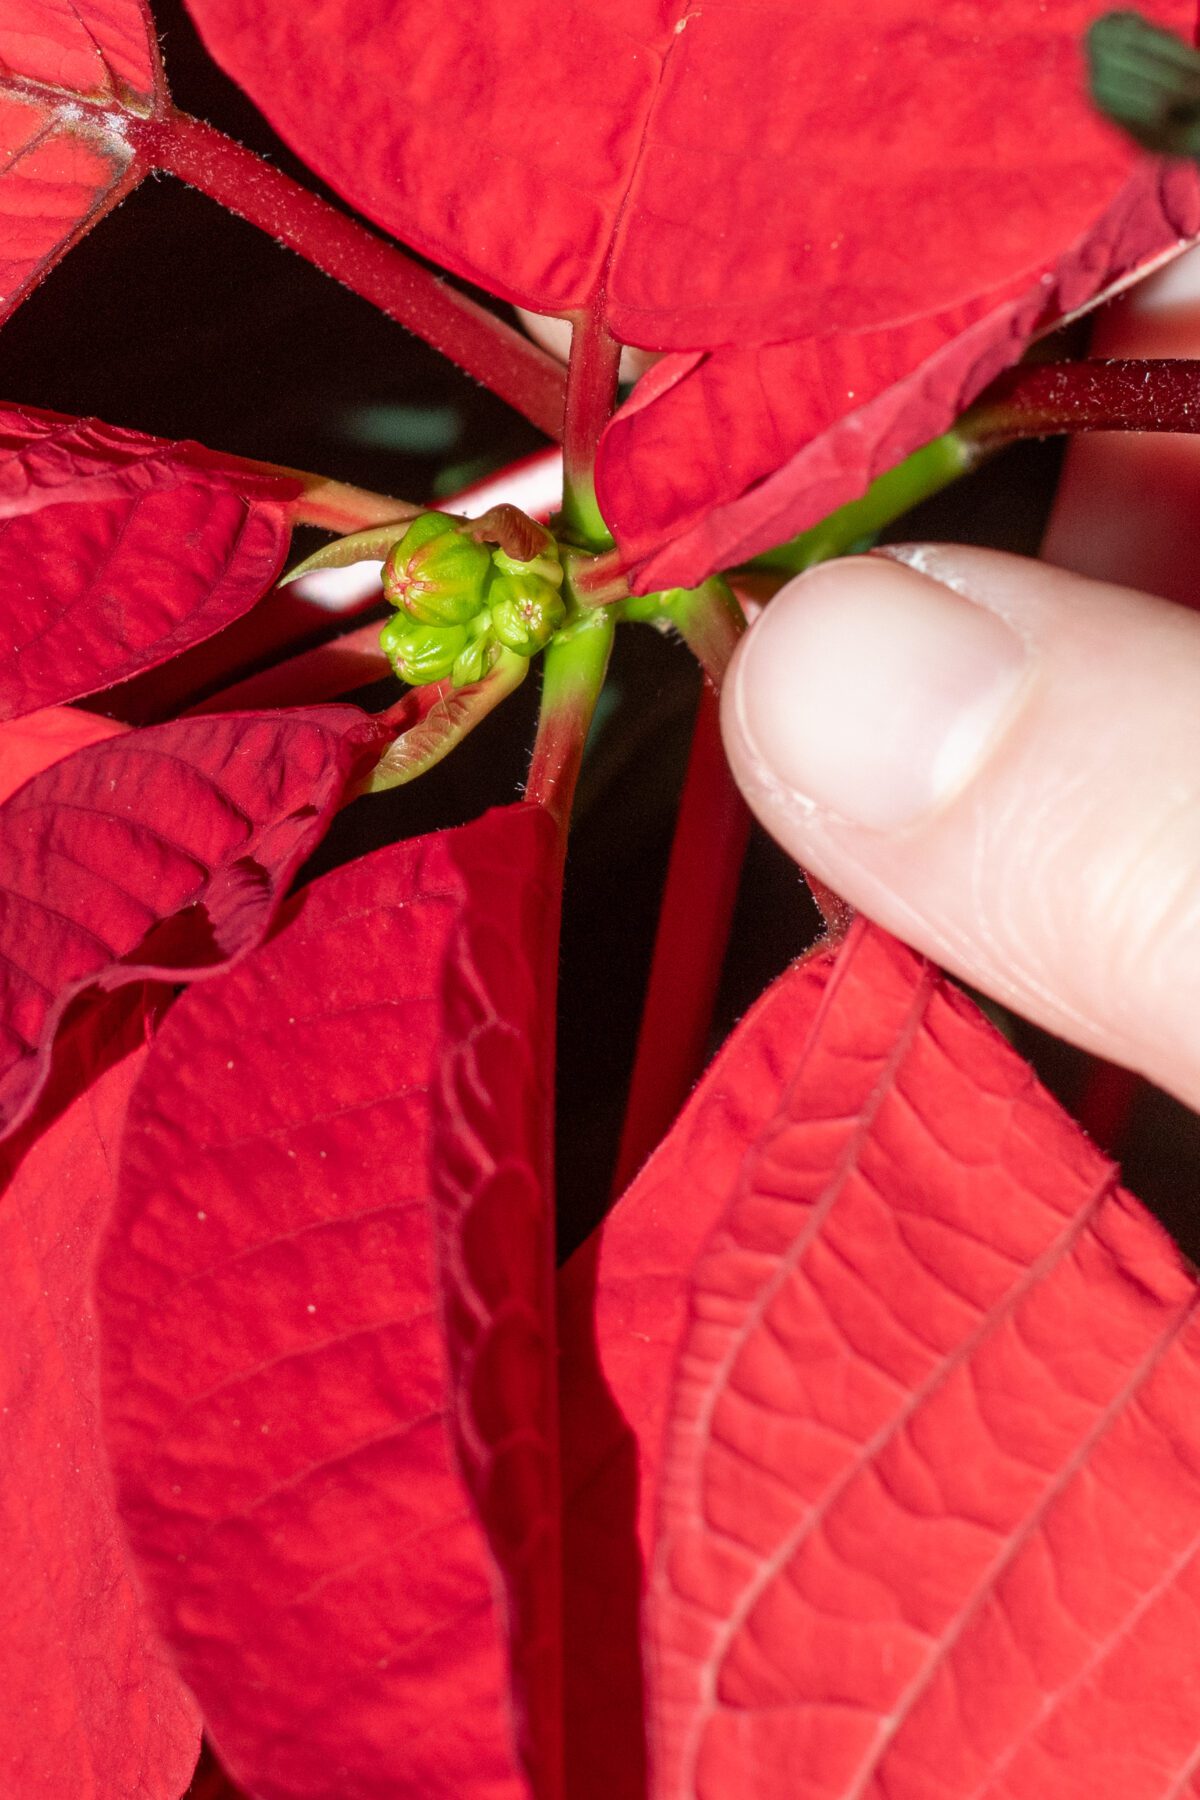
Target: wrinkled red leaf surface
31,744
924,1477
717,457
73,75
713,174
326,1363
92,1706
119,551
157,853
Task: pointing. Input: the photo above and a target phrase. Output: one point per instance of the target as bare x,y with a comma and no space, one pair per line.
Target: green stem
575,664
708,619
927,471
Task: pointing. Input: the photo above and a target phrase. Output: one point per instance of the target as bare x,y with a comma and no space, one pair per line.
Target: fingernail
870,691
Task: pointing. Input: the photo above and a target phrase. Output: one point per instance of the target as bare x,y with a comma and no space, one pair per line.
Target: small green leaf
1147,81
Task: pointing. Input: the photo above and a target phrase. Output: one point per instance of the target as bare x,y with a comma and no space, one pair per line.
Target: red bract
160,852
72,75
31,744
328,1380
707,175
871,235
92,1707
718,457
927,1514
119,551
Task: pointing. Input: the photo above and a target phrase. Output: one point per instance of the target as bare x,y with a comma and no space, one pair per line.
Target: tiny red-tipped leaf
92,1706
118,551
327,1365
158,852
924,1472
73,75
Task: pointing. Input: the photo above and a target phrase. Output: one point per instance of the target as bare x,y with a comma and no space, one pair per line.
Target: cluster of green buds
459,602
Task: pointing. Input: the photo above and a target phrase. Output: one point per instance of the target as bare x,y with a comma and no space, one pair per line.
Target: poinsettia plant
855,1454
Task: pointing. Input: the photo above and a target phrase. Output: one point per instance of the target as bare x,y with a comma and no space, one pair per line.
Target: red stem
592,375
310,679
693,931
524,375
1119,394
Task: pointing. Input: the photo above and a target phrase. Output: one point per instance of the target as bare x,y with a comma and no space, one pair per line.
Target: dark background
177,319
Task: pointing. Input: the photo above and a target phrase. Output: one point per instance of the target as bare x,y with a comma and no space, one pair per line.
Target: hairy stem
694,922
575,664
708,619
1118,394
524,375
591,394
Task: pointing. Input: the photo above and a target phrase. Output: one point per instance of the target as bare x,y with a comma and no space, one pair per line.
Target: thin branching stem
1118,394
591,395
513,367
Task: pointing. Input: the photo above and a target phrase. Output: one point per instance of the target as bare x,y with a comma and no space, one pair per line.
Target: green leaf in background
1147,81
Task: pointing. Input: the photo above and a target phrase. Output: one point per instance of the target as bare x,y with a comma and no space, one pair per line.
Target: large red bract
327,1356
915,1435
841,263
717,457
73,73
157,853
119,551
92,1704
706,175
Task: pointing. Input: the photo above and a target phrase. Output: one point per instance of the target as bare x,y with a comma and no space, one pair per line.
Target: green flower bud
472,663
421,653
526,612
435,574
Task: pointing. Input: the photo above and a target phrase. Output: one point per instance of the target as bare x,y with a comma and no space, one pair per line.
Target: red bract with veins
90,522
847,252
877,1495
667,180
98,890
73,79
856,1454
93,1705
720,455
345,1504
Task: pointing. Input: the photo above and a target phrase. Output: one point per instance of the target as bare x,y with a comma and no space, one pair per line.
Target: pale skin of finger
554,334
1047,848
1060,876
